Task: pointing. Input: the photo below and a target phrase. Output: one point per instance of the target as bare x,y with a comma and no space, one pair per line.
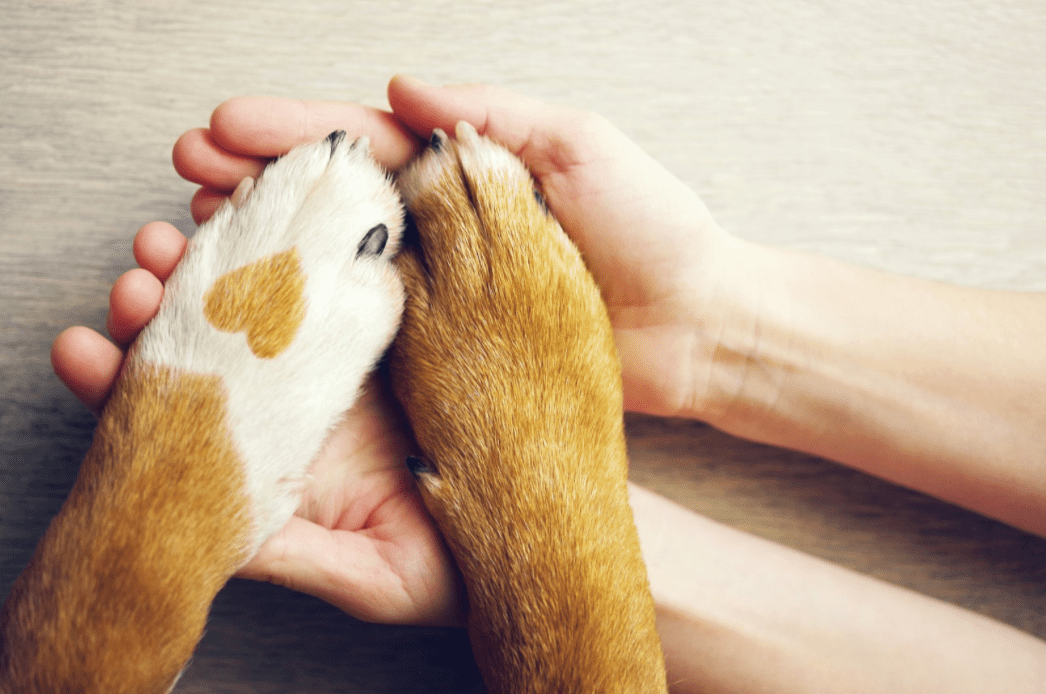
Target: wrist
782,341
782,348
669,348
738,338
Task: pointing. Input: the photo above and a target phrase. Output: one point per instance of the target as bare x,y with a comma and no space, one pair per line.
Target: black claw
417,466
335,139
541,200
437,140
374,242
411,238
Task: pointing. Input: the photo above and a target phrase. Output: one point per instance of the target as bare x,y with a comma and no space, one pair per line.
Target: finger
424,107
341,568
288,557
205,203
549,139
503,115
158,247
269,127
133,302
199,159
87,364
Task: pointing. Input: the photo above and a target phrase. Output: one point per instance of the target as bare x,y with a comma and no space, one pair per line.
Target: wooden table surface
908,137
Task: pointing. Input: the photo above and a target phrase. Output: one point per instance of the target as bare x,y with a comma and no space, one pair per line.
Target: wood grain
907,138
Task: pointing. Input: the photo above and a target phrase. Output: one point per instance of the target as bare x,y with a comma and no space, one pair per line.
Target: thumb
498,113
339,567
547,138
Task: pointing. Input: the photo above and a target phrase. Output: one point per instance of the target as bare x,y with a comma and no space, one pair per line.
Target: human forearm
935,387
740,614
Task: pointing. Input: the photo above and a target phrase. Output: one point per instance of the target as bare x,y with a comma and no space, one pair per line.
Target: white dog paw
287,295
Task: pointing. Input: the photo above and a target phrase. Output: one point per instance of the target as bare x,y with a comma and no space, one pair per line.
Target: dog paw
289,297
505,355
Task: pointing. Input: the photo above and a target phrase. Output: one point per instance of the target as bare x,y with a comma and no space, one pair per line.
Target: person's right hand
656,253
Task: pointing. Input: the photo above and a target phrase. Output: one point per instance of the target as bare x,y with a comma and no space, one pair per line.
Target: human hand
361,539
647,238
659,258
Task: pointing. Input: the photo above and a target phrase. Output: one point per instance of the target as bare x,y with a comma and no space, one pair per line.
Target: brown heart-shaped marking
265,299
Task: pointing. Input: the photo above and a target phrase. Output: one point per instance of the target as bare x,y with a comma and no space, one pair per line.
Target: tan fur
506,366
264,299
161,491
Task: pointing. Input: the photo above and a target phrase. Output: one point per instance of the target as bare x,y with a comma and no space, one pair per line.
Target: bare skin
814,356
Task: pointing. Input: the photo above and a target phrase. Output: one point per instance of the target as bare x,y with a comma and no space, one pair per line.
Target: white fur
321,203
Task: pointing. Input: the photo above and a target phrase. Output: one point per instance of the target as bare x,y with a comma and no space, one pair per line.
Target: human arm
932,386
738,614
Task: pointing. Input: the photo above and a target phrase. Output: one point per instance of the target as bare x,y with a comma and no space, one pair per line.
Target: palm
363,527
